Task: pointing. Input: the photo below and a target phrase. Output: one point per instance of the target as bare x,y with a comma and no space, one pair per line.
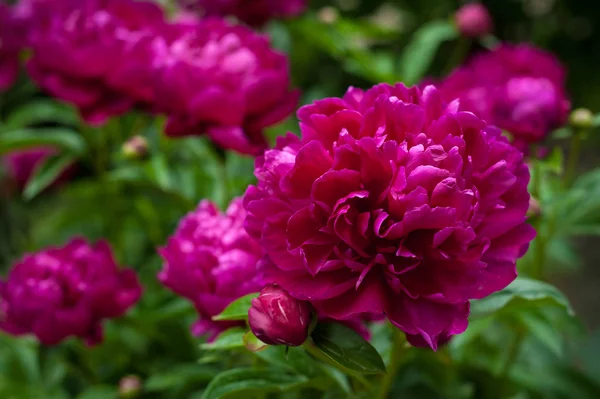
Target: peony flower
252,12
96,55
392,203
22,164
211,261
520,89
474,20
11,42
61,292
222,80
276,318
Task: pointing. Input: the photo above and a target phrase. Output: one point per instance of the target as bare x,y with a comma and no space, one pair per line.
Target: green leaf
420,52
252,343
42,111
232,383
230,339
62,138
522,292
99,392
178,376
46,174
238,309
347,348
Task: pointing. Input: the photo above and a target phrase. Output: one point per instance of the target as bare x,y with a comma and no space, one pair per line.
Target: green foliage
238,309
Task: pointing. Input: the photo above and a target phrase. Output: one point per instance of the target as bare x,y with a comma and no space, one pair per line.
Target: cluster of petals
222,80
62,292
519,88
11,42
252,12
94,54
393,202
211,261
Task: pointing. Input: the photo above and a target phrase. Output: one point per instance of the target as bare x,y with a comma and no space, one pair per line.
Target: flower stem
573,158
398,351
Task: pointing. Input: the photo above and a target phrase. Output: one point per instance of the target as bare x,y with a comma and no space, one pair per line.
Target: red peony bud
277,318
474,20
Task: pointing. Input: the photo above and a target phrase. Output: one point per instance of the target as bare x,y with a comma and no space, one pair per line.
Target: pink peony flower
62,292
222,80
520,89
474,20
211,261
11,42
277,318
392,203
96,54
21,164
252,12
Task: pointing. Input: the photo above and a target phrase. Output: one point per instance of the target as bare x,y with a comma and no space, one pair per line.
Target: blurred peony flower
474,20
211,261
393,203
61,292
520,89
252,12
11,42
277,318
95,54
222,80
21,164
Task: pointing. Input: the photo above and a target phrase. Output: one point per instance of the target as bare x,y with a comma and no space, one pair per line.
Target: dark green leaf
99,392
46,174
522,292
347,348
62,138
420,52
178,376
232,383
238,309
230,339
42,111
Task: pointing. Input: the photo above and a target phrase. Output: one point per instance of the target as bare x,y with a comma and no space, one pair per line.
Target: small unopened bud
135,148
534,207
328,15
474,20
581,118
276,318
130,387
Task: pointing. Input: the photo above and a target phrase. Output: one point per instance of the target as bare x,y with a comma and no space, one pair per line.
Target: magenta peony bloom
222,80
95,54
252,12
277,318
211,261
21,164
520,89
474,20
62,292
11,42
392,202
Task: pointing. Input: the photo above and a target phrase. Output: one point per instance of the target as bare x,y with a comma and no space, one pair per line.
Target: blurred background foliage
136,204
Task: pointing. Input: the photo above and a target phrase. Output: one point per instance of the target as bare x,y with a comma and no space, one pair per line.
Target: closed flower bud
135,148
130,387
277,318
474,20
581,118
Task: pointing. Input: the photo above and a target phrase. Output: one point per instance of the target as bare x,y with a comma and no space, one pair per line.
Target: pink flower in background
62,292
224,81
393,202
21,164
474,20
252,12
11,42
95,54
211,261
520,89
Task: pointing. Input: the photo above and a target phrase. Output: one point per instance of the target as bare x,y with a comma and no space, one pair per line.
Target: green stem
460,52
513,354
398,352
574,150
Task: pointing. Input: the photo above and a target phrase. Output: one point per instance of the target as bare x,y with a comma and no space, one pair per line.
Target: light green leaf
232,383
420,52
41,111
347,348
252,343
62,138
46,174
522,292
230,339
238,309
180,375
100,392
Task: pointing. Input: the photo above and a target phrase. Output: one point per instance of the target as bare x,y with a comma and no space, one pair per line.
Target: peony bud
534,207
135,148
581,118
473,20
130,387
276,318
